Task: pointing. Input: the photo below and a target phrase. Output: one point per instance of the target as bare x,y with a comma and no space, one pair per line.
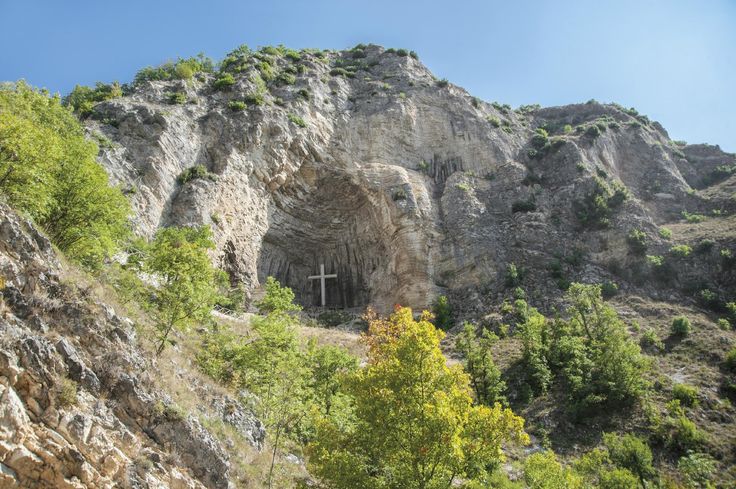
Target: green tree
632,453
48,169
328,365
188,283
277,299
485,376
416,426
442,311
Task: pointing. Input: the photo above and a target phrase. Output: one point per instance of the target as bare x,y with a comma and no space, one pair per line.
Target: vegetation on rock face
48,169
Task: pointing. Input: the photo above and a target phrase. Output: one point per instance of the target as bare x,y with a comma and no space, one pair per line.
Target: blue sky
673,60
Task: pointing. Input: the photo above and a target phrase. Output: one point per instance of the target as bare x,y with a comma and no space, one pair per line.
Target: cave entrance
331,222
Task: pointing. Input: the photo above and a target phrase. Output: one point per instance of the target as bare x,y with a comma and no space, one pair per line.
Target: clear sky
673,60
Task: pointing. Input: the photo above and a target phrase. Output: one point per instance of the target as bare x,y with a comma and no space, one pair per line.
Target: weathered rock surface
77,408
401,185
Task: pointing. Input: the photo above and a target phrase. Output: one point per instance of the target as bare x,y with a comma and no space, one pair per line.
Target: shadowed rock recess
401,184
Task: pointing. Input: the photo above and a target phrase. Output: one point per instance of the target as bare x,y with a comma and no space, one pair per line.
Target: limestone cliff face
400,184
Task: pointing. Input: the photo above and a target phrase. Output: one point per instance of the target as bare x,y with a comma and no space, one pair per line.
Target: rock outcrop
402,185
77,406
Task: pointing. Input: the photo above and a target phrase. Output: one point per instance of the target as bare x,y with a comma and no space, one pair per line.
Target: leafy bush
236,105
730,361
48,169
176,98
442,83
277,299
540,138
442,311
297,120
693,218
697,469
681,251
593,131
637,241
609,289
686,394
494,121
514,275
193,173
182,69
285,78
224,82
595,209
631,453
650,340
82,98
66,393
665,233
681,326
676,431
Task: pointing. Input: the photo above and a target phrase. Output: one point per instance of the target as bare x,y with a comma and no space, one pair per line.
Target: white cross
322,278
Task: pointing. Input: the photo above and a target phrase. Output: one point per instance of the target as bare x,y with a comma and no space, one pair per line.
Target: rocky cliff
401,184
79,405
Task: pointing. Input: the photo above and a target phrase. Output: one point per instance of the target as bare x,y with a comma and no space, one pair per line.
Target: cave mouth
332,223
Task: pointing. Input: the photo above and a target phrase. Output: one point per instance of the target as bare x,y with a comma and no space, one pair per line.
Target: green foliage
693,218
224,82
730,361
590,354
328,366
485,376
442,83
297,120
176,98
650,340
681,251
442,310
193,173
675,430
593,131
181,69
697,469
494,121
686,394
278,299
514,275
631,453
236,105
637,241
49,170
609,289
83,98
188,283
596,208
681,326
415,424
543,471
665,233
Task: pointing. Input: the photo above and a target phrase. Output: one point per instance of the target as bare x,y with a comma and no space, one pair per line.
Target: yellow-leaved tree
415,424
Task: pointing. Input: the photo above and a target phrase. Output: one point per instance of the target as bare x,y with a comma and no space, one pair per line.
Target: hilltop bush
181,69
193,173
49,170
83,98
596,208
637,241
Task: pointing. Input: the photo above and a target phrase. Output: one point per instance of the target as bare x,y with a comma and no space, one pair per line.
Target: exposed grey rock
405,190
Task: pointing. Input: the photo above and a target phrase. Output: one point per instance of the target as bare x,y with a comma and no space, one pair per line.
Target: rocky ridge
402,184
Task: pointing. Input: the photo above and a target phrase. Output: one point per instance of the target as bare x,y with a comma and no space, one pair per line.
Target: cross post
322,278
